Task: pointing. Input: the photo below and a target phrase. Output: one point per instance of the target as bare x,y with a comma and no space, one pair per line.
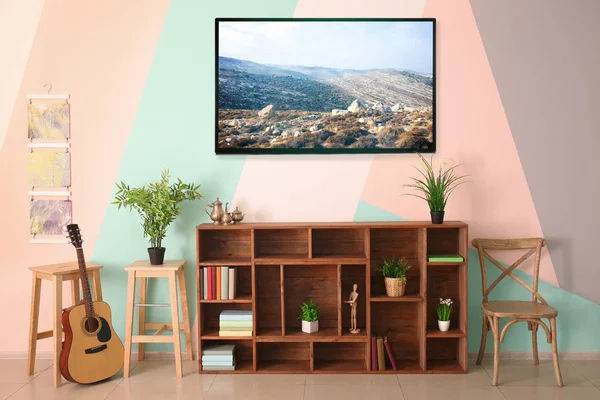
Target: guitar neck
85,284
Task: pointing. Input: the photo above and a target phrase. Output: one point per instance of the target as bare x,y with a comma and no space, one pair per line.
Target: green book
444,258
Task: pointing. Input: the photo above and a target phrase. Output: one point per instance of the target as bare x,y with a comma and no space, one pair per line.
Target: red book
390,354
210,286
214,282
373,353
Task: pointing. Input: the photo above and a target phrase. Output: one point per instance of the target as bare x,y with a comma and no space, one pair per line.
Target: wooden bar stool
57,274
174,271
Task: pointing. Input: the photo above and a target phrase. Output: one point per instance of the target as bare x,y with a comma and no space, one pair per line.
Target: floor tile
525,373
588,368
145,371
351,379
273,391
550,393
454,392
352,392
42,387
187,388
475,377
260,379
15,371
6,389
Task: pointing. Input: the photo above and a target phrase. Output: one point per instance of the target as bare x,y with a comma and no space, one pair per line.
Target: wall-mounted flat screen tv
325,86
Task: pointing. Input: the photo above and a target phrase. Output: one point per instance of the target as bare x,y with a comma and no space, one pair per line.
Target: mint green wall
174,128
577,317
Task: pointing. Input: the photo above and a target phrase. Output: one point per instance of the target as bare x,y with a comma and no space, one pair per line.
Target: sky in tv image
325,85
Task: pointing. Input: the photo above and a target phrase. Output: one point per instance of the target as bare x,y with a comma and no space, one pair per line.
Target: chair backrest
533,245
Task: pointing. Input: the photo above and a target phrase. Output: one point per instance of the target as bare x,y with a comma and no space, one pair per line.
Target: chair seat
518,309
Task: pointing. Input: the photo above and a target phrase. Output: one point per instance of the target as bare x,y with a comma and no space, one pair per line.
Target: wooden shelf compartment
280,244
400,322
224,247
243,283
338,243
317,283
289,357
340,357
350,275
269,311
443,283
243,355
209,319
444,355
444,241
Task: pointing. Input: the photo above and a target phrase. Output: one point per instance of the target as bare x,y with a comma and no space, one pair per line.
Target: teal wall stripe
173,128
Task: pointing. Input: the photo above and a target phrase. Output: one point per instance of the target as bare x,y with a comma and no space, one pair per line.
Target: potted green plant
444,309
435,187
158,205
309,314
394,273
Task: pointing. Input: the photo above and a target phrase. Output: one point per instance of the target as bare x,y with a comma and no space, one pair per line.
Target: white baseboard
504,355
47,355
542,355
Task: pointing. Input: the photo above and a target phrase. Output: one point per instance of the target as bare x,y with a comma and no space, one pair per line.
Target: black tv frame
247,151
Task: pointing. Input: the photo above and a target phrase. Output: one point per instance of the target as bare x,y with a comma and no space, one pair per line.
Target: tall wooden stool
174,271
57,274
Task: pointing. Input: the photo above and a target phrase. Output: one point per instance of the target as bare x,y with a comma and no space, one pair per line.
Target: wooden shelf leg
142,318
129,321
33,322
97,285
175,319
75,293
57,331
186,315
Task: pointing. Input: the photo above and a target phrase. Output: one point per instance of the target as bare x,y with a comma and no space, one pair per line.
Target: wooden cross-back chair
531,312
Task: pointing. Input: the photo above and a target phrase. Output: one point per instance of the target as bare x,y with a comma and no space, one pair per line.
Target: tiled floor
156,380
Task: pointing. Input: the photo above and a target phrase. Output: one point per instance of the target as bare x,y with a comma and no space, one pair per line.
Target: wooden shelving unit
283,265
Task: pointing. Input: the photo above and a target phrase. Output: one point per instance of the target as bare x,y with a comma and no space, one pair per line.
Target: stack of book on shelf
219,357
235,323
379,348
444,258
219,283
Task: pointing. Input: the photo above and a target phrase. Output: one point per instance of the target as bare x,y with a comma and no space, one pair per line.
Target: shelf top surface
333,225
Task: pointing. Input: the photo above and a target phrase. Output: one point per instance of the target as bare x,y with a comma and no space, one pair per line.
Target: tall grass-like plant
157,204
395,267
435,187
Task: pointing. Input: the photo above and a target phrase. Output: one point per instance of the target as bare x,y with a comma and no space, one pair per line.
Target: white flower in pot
309,314
444,309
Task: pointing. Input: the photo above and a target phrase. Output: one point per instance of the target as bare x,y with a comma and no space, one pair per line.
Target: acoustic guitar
92,351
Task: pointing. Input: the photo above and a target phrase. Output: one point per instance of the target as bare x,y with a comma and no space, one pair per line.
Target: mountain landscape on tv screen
270,106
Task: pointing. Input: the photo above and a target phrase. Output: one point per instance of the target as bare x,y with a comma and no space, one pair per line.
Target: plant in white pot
435,187
394,273
309,314
158,205
444,309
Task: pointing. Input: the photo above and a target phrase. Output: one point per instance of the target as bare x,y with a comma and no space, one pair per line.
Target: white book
205,283
224,283
232,282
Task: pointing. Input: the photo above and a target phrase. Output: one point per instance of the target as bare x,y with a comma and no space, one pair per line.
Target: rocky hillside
388,87
250,91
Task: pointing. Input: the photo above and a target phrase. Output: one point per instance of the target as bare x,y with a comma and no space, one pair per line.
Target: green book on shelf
444,258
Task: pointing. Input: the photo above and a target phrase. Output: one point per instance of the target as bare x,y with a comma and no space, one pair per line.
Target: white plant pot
444,325
310,327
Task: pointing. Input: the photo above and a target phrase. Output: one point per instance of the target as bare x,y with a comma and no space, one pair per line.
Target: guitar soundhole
91,325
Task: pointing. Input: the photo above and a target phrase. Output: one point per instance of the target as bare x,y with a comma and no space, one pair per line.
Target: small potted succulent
309,314
158,205
394,273
444,309
435,187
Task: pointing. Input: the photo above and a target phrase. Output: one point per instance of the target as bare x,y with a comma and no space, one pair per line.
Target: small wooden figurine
353,305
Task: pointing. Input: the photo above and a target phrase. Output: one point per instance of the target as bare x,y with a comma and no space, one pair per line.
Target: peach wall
100,53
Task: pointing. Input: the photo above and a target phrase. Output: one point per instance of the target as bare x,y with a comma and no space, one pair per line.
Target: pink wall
101,54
